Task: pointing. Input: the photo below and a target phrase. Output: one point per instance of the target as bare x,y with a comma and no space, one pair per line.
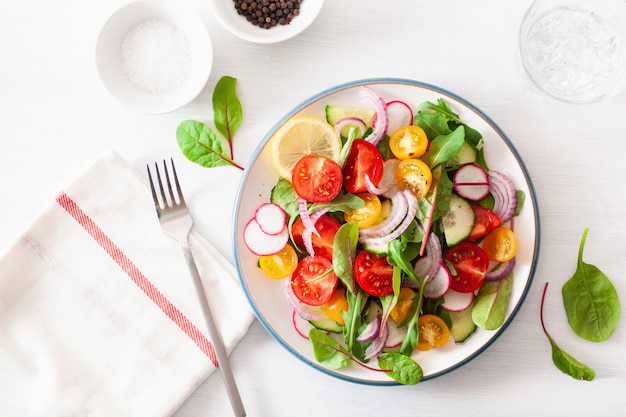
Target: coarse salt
155,57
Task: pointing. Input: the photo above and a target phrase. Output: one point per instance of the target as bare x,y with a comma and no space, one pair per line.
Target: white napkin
98,313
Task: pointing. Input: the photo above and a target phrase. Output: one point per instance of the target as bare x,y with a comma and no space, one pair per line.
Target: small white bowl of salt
154,56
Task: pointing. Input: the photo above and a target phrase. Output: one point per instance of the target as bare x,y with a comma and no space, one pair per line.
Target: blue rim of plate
408,82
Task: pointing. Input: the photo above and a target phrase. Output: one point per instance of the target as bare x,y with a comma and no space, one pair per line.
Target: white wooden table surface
56,119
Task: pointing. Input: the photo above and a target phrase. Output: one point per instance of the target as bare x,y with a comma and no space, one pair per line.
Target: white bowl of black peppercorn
266,21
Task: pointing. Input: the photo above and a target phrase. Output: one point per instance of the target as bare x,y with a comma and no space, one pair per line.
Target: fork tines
163,201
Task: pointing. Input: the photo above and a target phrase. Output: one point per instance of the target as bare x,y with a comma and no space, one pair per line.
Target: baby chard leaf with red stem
564,361
227,112
199,143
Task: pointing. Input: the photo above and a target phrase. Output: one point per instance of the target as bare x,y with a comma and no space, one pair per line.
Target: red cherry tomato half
373,274
486,221
327,228
470,262
313,282
363,158
316,178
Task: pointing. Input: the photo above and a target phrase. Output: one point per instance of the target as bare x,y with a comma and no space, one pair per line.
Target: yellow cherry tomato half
408,142
281,264
366,215
337,303
433,332
414,174
404,305
500,244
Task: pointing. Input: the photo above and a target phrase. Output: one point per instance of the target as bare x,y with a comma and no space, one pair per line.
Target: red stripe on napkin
137,276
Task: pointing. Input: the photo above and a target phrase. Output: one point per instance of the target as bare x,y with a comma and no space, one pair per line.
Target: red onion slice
371,330
388,179
382,116
500,271
373,188
410,215
399,207
304,311
504,195
377,345
348,122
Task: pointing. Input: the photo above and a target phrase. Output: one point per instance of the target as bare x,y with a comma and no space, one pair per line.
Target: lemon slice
300,136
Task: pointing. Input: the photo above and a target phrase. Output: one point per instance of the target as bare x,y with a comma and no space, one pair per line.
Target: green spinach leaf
453,121
563,360
590,301
433,124
402,368
491,303
285,196
442,148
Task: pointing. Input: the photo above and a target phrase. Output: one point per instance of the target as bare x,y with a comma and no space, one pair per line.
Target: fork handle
216,339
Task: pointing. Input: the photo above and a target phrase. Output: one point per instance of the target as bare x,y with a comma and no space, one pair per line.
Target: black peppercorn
268,13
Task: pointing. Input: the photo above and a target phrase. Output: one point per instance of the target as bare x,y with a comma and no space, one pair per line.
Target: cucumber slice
382,249
462,324
466,155
458,220
336,113
327,325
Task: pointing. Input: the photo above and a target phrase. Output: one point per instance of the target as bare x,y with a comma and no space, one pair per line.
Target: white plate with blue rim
267,297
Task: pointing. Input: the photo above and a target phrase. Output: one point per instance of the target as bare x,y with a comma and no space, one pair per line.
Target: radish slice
388,180
471,181
382,116
271,218
504,194
500,271
400,115
438,284
396,335
261,243
458,301
296,321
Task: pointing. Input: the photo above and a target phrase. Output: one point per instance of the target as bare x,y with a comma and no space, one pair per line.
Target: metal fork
176,222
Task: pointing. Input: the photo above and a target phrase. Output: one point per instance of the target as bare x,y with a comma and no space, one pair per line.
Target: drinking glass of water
575,50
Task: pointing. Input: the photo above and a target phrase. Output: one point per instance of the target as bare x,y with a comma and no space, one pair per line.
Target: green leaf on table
401,368
227,114
491,303
563,360
201,145
590,301
568,365
328,351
